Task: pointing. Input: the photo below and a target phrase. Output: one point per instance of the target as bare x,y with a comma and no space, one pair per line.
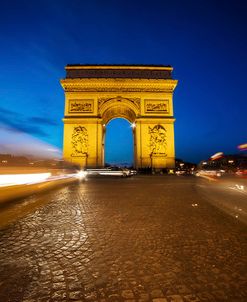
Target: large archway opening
119,143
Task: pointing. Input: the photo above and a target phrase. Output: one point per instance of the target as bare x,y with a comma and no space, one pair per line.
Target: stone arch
118,111
126,107
141,94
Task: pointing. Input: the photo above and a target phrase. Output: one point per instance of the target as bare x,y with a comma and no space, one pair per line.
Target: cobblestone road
137,239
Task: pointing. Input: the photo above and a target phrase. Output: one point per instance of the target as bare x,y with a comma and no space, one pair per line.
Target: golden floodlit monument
96,94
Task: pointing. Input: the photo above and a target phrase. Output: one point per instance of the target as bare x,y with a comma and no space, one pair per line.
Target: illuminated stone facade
143,95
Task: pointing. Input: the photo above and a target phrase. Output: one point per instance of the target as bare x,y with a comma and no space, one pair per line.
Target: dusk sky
205,42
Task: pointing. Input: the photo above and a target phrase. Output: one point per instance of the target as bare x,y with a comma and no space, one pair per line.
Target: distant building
10,160
229,162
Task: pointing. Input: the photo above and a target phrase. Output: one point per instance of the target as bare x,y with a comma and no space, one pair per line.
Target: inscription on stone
81,106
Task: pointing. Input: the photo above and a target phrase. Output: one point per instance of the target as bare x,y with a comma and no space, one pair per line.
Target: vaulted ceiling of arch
116,111
107,103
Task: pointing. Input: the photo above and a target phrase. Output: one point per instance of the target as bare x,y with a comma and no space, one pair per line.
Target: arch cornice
118,84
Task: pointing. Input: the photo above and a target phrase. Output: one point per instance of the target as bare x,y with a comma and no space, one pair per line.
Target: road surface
146,238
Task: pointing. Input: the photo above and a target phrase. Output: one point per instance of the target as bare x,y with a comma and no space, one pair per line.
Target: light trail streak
7,180
22,179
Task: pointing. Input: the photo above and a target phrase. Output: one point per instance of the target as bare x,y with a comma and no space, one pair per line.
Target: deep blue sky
119,147
205,42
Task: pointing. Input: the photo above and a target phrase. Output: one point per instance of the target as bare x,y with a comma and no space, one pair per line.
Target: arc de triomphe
96,94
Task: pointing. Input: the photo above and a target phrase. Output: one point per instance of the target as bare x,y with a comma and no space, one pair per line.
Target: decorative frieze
154,72
118,85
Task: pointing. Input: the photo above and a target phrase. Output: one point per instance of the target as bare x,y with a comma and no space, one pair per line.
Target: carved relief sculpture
156,106
80,106
79,141
157,141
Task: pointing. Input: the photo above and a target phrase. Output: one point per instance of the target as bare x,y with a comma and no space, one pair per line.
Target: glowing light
133,125
230,161
22,179
217,155
81,174
240,187
242,147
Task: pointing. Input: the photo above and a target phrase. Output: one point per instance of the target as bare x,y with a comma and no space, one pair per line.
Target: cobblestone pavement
136,239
